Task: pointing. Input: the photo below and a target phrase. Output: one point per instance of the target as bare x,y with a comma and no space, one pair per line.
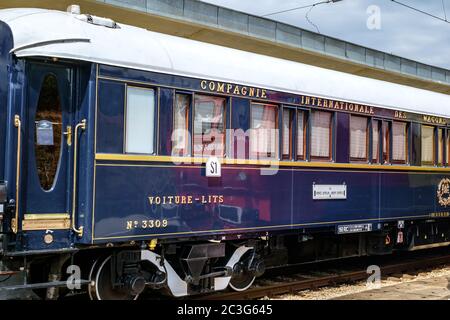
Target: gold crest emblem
443,192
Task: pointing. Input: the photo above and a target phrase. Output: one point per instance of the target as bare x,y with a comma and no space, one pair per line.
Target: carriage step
43,285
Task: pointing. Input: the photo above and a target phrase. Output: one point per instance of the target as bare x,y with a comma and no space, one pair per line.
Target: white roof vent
98,21
105,22
74,9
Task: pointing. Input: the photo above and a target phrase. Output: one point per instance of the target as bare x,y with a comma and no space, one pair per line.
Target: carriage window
301,135
427,145
358,138
447,154
321,135
440,147
48,138
287,133
399,142
209,126
263,136
386,141
180,135
376,141
140,121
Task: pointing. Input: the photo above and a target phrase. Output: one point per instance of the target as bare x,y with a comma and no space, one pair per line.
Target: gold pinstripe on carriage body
260,228
297,164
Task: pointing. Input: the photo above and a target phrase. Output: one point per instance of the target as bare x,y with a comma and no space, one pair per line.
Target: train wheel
242,283
101,287
242,278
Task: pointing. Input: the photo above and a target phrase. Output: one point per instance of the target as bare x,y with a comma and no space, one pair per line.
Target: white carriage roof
49,33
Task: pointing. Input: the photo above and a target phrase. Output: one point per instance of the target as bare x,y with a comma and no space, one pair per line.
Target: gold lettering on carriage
235,89
434,120
337,105
170,201
400,115
445,214
184,199
147,224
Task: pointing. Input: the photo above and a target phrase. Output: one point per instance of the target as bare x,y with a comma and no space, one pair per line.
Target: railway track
330,273
299,282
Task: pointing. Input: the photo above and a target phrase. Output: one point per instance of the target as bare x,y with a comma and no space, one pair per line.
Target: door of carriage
47,163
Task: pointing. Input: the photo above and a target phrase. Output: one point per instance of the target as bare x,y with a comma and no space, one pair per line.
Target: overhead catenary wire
309,20
296,8
424,12
445,11
311,6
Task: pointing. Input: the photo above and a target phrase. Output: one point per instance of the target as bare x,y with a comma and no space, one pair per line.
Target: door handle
82,126
68,133
15,220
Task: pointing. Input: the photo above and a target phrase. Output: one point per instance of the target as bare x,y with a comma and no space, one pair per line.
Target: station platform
426,289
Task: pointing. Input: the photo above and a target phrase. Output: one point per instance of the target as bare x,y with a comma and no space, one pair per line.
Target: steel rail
314,283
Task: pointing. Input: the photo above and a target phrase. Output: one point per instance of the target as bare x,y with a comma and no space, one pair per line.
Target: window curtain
263,134
300,135
209,126
448,148
140,120
399,141
286,132
320,134
440,146
358,137
386,141
427,144
180,125
375,140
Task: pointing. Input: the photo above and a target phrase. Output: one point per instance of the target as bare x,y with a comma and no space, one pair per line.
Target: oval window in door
48,132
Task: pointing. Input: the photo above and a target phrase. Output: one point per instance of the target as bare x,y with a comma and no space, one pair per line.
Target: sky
379,24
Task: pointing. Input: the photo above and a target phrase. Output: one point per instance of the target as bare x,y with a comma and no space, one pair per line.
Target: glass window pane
427,145
376,141
180,135
287,134
48,138
140,126
263,136
440,146
386,141
320,134
399,142
448,148
358,138
209,126
300,135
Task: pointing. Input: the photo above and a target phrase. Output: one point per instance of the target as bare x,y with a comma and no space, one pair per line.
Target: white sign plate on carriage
329,191
213,167
354,228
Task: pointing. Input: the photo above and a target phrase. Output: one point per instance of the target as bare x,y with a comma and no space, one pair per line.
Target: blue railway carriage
138,160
